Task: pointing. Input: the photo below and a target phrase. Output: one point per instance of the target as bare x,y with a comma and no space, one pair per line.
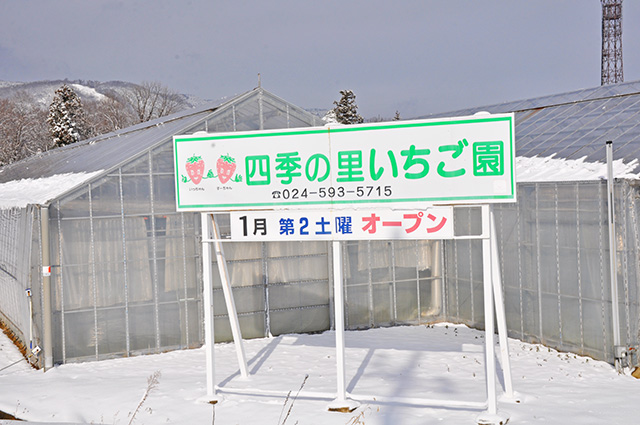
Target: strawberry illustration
195,168
225,166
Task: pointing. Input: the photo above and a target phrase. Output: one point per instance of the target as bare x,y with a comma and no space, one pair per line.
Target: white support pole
338,294
230,302
491,415
47,316
613,262
340,404
501,317
492,407
207,299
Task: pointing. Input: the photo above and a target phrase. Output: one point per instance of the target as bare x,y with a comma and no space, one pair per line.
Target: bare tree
151,100
23,131
109,114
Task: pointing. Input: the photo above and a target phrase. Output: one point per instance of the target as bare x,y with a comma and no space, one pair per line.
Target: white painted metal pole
207,299
338,296
229,300
501,317
492,406
47,316
613,263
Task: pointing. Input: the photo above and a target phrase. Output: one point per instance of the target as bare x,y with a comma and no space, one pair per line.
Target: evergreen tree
396,117
346,109
67,121
330,117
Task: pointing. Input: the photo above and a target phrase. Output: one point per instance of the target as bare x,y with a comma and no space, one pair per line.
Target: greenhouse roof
88,159
575,125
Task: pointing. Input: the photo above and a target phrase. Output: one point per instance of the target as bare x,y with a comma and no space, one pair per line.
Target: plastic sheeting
555,267
16,227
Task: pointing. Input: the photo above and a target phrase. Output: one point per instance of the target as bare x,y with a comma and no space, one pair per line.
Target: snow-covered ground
441,362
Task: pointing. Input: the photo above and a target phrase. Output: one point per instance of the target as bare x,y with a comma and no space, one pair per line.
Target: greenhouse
554,242
125,274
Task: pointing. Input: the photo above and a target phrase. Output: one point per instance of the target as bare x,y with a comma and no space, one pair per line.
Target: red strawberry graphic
195,168
225,166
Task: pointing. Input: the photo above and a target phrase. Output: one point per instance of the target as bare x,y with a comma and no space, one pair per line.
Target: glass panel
74,205
467,221
357,306
571,332
246,273
112,336
105,197
136,194
296,321
170,324
76,235
110,289
164,194
142,328
356,263
292,249
222,122
406,301
248,299
296,269
251,326
80,334
137,166
77,287
298,295
162,159
382,303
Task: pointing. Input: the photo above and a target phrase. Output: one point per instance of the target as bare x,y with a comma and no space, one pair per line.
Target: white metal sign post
361,182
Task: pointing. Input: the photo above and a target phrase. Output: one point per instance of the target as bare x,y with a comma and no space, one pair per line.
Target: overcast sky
416,57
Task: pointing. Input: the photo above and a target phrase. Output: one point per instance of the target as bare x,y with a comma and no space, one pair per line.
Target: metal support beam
613,261
46,289
207,299
230,302
340,404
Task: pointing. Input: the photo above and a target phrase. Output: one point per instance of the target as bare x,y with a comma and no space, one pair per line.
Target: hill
88,90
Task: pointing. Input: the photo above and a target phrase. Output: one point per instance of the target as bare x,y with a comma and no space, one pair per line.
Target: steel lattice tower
611,70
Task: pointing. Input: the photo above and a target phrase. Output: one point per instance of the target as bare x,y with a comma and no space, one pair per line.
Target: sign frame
399,177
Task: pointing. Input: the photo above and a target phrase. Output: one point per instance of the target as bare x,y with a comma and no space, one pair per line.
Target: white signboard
339,225
401,165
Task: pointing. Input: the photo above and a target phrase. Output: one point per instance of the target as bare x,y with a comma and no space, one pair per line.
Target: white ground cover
441,362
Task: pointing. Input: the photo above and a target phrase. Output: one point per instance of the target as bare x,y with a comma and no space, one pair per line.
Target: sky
413,56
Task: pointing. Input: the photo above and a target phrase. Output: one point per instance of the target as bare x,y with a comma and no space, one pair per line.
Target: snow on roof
20,193
550,169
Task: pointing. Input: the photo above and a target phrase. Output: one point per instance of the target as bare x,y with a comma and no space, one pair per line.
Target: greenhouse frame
126,274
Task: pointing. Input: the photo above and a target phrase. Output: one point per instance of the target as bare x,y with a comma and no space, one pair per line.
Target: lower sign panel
329,225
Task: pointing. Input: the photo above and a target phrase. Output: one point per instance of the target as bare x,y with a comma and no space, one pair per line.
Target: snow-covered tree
330,117
67,121
346,109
